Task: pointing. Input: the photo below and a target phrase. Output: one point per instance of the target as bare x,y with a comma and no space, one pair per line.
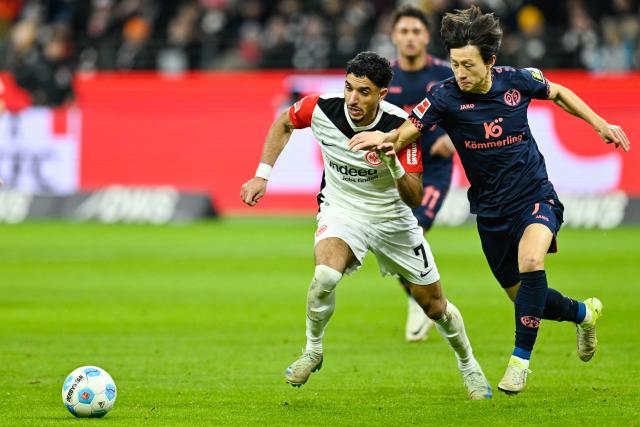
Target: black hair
472,27
372,66
409,11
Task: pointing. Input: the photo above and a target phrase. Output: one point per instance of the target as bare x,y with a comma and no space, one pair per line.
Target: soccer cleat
515,377
586,331
477,385
298,372
418,324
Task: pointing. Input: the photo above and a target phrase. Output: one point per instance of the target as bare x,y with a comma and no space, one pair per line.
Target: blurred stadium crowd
43,42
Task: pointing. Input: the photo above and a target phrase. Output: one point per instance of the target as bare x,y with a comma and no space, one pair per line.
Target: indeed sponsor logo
349,171
509,140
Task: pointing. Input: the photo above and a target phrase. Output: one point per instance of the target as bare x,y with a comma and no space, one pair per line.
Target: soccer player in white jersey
364,205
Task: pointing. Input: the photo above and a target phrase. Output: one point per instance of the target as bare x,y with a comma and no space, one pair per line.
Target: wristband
263,171
397,171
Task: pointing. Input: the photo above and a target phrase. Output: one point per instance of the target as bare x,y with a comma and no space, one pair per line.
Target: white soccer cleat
477,385
515,377
299,371
418,324
586,331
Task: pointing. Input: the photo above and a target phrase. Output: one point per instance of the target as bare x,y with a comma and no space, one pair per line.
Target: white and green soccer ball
89,391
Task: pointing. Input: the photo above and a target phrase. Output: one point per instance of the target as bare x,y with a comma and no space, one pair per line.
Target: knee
433,304
435,309
325,280
530,262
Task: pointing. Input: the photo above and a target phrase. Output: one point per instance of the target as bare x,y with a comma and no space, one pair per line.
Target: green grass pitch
196,323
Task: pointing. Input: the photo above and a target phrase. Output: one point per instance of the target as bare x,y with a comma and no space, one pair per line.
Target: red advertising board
204,131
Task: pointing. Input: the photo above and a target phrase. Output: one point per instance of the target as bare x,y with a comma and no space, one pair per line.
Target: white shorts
399,245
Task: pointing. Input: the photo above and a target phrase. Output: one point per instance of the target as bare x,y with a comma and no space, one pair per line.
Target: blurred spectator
42,41
46,71
181,50
276,45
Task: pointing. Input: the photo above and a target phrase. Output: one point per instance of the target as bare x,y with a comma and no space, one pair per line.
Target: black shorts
500,237
435,191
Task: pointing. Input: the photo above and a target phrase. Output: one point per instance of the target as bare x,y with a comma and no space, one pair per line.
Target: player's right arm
424,115
298,116
278,136
400,138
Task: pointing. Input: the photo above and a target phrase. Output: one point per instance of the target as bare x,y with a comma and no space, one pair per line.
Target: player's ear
383,93
492,61
393,37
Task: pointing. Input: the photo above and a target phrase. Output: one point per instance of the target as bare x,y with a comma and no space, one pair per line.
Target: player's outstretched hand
613,134
366,141
253,190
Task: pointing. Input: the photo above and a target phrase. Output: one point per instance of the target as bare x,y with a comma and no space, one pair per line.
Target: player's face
410,37
362,97
470,70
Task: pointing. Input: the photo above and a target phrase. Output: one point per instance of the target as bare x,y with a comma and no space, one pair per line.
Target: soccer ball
89,391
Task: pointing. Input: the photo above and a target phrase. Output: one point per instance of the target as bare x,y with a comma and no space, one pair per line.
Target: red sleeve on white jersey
411,157
301,112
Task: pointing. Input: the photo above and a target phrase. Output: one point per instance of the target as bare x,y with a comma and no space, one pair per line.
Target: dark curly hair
372,66
472,27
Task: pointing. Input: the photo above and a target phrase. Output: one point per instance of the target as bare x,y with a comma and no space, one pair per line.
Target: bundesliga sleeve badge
422,108
536,74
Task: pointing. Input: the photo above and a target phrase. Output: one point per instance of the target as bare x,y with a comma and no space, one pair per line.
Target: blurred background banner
203,132
181,94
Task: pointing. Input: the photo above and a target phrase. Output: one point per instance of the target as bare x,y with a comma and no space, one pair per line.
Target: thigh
401,250
535,242
500,249
340,241
434,194
335,253
549,215
426,294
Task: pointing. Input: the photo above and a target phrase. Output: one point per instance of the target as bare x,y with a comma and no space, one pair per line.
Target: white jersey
355,182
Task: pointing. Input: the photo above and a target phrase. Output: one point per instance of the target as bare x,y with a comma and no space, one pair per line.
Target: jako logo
297,106
530,321
493,129
467,106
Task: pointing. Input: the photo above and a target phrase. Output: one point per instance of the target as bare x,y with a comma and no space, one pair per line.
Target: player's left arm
409,184
572,104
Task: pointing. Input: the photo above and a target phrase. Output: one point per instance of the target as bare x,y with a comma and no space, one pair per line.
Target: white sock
587,316
321,303
451,327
